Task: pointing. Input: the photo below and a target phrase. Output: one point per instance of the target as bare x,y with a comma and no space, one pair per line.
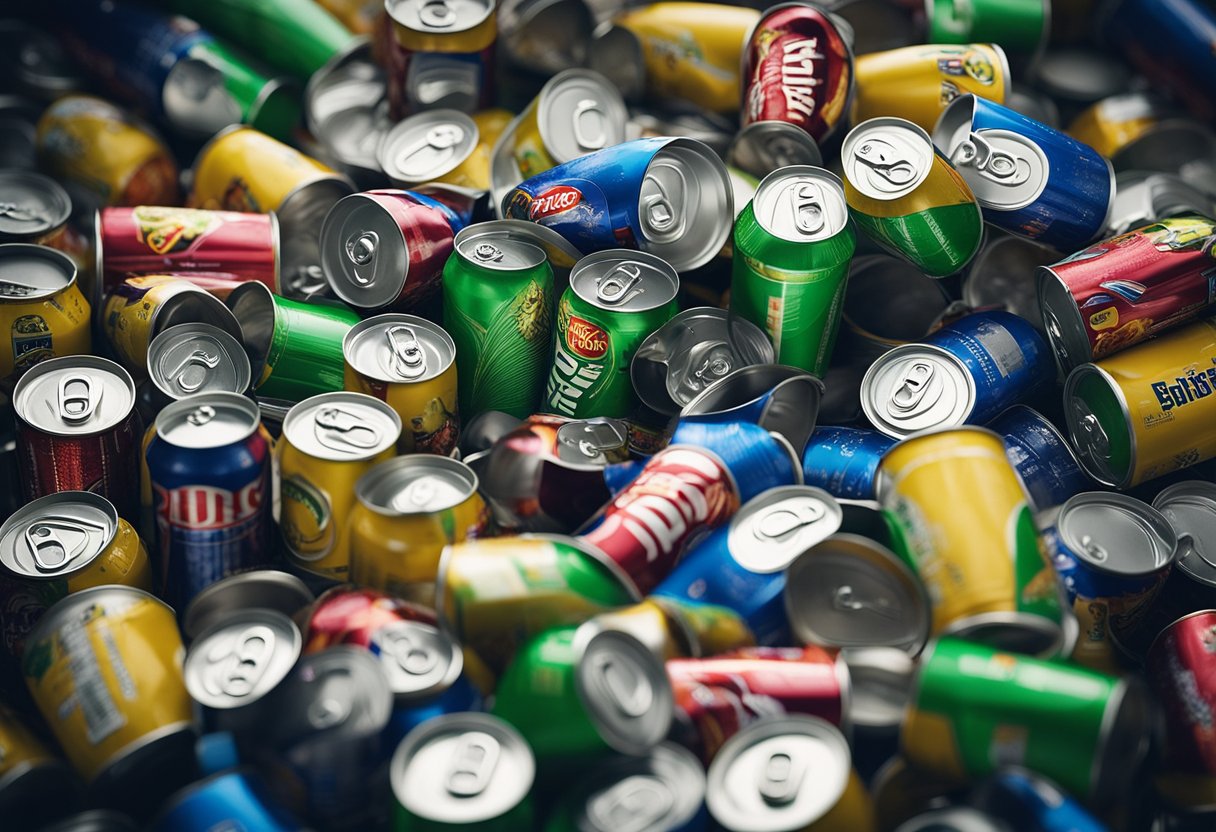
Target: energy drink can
441,55
46,315
844,461
1041,455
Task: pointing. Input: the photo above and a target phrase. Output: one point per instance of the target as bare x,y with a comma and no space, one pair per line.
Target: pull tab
48,541
599,437
617,286
660,215
631,805
76,404
326,712
473,762
808,208
418,494
191,372
1095,444
883,160
239,664
786,519
15,212
998,165
584,107
361,249
408,358
487,253
442,138
414,659
845,598
913,386
780,779
717,366
437,14
341,430
626,688
1095,550
201,415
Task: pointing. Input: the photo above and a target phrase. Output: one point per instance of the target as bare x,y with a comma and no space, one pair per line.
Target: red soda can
350,615
1180,666
78,430
718,697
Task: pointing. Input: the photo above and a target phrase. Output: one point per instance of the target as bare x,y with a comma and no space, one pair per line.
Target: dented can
440,55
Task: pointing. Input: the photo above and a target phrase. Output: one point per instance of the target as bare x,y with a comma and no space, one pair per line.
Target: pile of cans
585,416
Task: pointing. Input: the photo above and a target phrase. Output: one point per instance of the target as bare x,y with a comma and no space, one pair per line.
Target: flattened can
440,55
1181,673
409,363
328,442
43,313
987,572
1146,411
1125,290
1030,180
1041,455
844,461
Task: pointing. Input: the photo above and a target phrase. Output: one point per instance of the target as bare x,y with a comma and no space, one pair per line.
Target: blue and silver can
1032,803
757,459
1030,180
669,197
229,800
843,461
209,463
963,374
1042,456
741,566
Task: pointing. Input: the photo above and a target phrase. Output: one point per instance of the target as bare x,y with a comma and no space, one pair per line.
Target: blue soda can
669,197
963,374
230,800
1030,180
843,461
1044,459
742,565
757,459
209,462
1030,802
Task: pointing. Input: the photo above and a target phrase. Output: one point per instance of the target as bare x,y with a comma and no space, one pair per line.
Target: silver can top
1066,329
425,147
416,484
775,527
661,792
849,591
342,427
195,358
439,17
915,387
363,253
76,395
562,256
462,768
500,255
624,689
208,420
578,112
686,205
778,773
629,281
766,146
596,441
801,204
399,349
345,107
887,158
240,659
420,660
29,272
1005,170
336,694
1190,508
34,205
1115,533
57,535
263,588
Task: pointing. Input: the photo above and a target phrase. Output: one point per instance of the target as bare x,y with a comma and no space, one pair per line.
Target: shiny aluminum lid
661,792
597,441
420,660
763,147
887,158
427,146
624,689
500,255
801,204
208,420
364,255
57,535
241,658
616,53
849,591
342,427
578,112
562,255
462,768
33,205
195,358
685,205
915,387
398,348
337,694
262,588
416,484
439,17
628,281
1116,533
1005,170
76,395
30,272
1190,508
779,773
772,529
880,685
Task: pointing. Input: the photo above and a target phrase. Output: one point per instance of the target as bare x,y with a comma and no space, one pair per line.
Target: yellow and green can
49,319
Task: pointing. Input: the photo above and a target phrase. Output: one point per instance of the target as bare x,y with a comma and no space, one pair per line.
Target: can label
583,365
128,311
58,325
305,519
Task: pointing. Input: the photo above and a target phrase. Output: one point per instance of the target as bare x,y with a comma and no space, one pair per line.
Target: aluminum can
614,301
463,769
497,305
103,156
485,585
1041,455
31,777
78,430
210,471
409,363
242,169
435,146
918,82
441,55
345,114
1030,180
104,667
236,798
196,358
974,708
793,244
328,443
1003,592
267,589
742,565
904,194
1183,680
1117,121
645,194
663,631
676,51
1190,508
562,256
1020,27
769,766
406,510
294,347
965,373
1129,288
157,240
560,695
1146,411
38,209
844,461
1028,800
44,314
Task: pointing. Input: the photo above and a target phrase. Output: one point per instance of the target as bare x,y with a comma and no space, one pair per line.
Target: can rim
1025,624
192,627
33,508
95,362
345,397
384,467
1070,385
348,344
276,240
98,266
240,402
1132,506
869,380
338,59
655,672
47,253
259,352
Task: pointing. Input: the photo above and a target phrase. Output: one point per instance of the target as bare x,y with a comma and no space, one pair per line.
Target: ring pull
437,14
77,404
48,540
442,139
188,381
998,165
809,217
408,358
586,107
617,286
361,249
341,430
913,385
883,160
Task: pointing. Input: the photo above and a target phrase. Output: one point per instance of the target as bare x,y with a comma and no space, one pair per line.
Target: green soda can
1020,26
498,308
467,771
271,105
793,244
907,198
295,347
614,301
578,693
974,709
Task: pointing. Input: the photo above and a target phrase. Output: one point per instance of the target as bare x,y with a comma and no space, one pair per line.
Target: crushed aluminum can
346,111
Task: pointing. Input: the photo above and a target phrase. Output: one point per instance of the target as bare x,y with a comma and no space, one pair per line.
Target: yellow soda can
983,564
46,316
30,775
1113,123
442,145
328,442
918,82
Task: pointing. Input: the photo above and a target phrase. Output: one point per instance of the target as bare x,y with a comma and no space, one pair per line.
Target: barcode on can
101,716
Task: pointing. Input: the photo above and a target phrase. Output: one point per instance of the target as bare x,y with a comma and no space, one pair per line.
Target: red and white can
1181,664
